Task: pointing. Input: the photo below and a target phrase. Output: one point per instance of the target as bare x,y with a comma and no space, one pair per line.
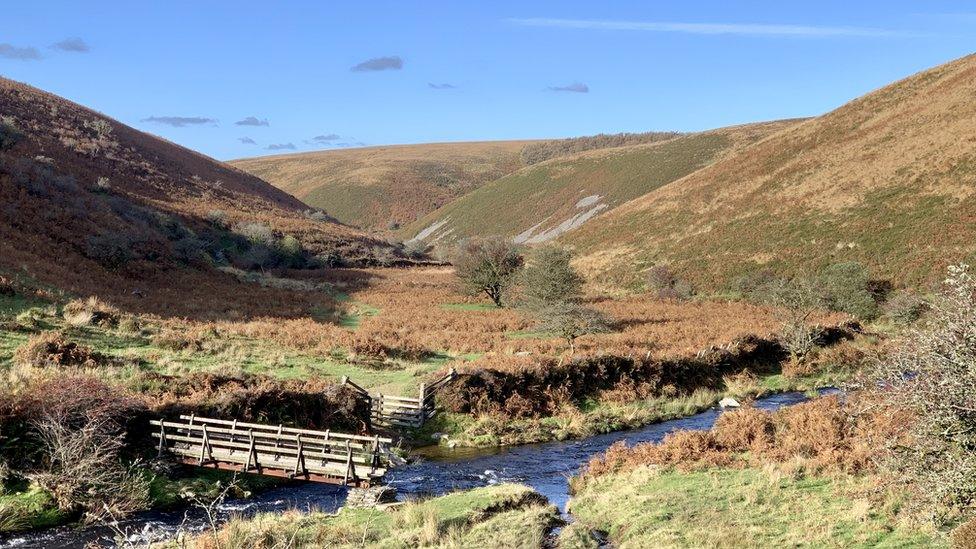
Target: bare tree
487,266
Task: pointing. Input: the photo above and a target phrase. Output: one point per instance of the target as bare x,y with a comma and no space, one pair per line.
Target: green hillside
543,201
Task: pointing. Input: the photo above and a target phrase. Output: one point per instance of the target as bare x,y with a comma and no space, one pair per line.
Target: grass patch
506,515
32,508
353,317
739,508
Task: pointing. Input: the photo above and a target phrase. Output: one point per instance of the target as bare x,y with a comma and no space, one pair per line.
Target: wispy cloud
326,138
281,147
747,29
180,121
444,86
74,44
247,141
575,87
9,51
391,63
252,121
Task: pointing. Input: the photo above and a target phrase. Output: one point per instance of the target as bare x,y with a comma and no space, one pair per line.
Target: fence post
423,404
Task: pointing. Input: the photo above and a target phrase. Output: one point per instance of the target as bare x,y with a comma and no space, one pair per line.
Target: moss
31,508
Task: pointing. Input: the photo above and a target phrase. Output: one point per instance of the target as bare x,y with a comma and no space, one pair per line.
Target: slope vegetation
887,180
89,205
377,187
391,186
545,200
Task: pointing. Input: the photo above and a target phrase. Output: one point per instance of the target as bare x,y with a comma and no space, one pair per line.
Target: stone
368,498
729,402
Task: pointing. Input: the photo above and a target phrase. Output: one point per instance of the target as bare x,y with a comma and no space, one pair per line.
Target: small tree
795,299
571,320
550,279
846,287
553,293
487,266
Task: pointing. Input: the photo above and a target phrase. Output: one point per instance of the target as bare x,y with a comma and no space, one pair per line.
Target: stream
545,467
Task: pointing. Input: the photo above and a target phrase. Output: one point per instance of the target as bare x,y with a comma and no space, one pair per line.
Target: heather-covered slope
90,205
888,180
543,201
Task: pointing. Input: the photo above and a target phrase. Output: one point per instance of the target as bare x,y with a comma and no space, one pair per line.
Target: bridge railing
409,412
322,456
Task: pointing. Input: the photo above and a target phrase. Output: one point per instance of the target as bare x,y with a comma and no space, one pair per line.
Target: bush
91,311
847,287
6,288
906,308
258,234
665,284
330,259
53,350
10,134
110,250
487,266
102,184
931,374
217,218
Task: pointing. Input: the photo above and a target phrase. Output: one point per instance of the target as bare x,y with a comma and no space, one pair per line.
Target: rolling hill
383,188
541,202
888,179
92,206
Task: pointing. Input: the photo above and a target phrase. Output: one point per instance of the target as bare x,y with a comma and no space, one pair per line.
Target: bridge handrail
275,429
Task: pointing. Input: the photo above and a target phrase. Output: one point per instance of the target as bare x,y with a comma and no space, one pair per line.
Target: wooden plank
286,464
268,450
312,477
396,398
289,430
317,437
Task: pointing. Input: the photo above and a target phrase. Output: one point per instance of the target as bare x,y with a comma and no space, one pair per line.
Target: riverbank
594,417
718,507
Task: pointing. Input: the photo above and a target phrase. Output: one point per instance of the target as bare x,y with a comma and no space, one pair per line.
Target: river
545,467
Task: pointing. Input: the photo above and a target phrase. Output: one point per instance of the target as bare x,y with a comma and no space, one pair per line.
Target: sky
239,79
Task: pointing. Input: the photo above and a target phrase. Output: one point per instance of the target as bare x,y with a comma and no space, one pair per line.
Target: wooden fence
392,411
275,450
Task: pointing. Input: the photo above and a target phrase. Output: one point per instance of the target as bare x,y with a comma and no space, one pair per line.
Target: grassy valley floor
651,507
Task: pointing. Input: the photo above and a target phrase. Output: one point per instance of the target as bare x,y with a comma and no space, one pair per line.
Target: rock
729,402
367,498
437,436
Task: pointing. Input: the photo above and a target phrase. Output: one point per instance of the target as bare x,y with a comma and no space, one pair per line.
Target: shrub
257,234
330,259
665,284
932,375
103,184
82,312
6,288
906,308
487,266
10,134
217,218
53,350
317,215
847,287
110,250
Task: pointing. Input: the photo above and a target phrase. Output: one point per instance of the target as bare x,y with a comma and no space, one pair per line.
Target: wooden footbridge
275,450
305,454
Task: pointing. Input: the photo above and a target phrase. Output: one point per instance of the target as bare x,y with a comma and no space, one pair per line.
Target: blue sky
189,71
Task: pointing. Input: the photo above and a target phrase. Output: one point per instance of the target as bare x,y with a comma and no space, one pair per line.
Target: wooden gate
397,412
275,450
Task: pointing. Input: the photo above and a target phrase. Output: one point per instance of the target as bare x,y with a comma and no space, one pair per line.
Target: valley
754,335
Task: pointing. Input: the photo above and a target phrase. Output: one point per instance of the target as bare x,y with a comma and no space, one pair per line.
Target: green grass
355,313
136,351
548,192
505,515
32,508
740,508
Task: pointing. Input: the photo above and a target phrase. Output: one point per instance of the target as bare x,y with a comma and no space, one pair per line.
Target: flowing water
437,470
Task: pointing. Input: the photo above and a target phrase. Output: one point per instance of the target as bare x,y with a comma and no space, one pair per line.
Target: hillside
540,202
378,186
887,180
382,188
93,206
